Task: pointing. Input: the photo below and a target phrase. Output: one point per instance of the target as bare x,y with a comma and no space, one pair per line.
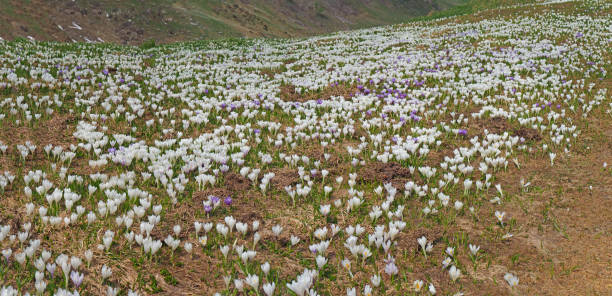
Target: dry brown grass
288,93
563,219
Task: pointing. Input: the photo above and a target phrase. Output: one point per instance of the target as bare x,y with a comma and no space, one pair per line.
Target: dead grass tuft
391,172
289,94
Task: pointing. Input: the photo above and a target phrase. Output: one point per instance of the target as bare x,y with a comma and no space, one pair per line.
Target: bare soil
392,172
288,93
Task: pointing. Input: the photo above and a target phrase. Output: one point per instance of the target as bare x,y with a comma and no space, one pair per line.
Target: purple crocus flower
51,268
228,201
391,269
77,278
257,131
319,101
462,132
214,199
207,208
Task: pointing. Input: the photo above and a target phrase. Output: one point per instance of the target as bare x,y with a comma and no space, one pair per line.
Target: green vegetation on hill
135,21
468,7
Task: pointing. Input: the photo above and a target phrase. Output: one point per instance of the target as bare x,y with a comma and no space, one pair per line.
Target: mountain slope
133,21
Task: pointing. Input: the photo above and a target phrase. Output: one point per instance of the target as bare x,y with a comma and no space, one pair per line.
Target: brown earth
288,93
566,219
392,172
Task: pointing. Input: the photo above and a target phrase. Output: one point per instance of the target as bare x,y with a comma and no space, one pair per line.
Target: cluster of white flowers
346,123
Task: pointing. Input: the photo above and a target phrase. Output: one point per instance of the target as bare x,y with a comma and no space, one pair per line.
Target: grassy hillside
133,21
463,155
453,7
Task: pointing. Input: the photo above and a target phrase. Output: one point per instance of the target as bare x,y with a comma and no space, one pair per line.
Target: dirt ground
567,216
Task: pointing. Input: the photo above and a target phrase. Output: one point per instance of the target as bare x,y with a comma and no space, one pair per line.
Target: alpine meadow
462,150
